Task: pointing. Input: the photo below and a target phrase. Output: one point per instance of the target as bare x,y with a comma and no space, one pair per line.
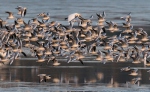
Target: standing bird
71,18
21,10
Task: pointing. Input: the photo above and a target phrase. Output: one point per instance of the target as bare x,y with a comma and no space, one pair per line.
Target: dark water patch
73,72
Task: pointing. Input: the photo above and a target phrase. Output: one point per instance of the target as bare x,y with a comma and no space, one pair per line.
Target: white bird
71,17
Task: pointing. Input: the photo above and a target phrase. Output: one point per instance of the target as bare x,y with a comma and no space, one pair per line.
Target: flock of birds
47,40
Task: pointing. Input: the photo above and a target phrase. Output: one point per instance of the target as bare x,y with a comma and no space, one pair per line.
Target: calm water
73,76
22,75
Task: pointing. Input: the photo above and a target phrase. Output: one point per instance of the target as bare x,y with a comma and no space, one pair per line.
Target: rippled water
60,9
92,76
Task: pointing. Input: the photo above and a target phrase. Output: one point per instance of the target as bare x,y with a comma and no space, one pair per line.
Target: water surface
60,9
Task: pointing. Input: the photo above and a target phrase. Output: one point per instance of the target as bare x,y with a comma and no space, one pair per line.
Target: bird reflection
100,75
112,83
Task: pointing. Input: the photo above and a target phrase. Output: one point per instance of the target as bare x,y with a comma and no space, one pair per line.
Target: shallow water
34,87
73,76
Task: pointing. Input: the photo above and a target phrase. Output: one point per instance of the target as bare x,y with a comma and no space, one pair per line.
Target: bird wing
19,7
81,61
24,54
11,61
25,12
104,14
71,17
10,13
97,15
